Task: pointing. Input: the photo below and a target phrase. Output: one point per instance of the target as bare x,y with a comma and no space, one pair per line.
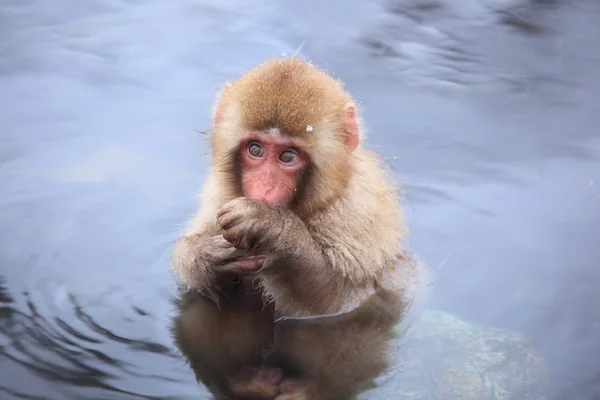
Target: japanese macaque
292,273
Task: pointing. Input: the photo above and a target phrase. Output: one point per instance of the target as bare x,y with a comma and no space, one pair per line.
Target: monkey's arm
204,261
300,277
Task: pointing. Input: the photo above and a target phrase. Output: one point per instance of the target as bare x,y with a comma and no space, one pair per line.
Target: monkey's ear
221,103
351,128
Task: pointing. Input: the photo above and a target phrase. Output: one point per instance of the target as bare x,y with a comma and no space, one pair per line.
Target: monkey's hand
256,225
199,259
296,273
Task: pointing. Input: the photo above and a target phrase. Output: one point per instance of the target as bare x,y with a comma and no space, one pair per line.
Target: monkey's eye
288,157
255,150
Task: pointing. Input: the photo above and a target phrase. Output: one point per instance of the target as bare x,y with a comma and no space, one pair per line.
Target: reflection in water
240,350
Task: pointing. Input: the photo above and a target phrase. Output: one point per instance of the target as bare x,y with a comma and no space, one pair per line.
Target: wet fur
345,250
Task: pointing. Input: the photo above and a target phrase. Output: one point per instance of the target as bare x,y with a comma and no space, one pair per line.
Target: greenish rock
446,358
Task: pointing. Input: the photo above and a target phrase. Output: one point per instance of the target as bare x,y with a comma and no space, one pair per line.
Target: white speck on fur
308,128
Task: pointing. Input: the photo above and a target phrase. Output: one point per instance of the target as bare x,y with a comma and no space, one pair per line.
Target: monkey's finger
291,386
236,237
246,265
230,205
292,389
232,254
229,219
271,375
254,387
221,242
222,211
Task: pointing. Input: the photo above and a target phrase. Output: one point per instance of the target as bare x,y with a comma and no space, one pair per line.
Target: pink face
271,165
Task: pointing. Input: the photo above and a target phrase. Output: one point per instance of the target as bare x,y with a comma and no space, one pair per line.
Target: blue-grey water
487,109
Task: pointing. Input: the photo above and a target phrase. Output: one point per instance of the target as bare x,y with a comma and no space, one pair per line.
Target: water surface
487,110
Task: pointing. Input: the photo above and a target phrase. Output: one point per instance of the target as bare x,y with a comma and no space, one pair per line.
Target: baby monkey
292,273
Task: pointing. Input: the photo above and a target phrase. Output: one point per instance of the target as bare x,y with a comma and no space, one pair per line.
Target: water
487,110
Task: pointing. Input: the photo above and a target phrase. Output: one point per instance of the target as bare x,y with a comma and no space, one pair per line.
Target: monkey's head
285,132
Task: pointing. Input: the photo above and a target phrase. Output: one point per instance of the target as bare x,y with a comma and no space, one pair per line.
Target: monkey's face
271,165
304,164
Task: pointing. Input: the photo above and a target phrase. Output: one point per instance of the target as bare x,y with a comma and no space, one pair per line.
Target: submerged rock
446,358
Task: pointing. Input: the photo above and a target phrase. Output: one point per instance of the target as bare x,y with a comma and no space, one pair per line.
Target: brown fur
336,249
295,95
